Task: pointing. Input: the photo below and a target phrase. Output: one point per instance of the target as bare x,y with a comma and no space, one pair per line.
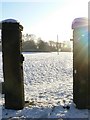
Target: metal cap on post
80,62
12,64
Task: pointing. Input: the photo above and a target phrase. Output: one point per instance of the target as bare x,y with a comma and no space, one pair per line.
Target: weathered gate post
80,63
12,64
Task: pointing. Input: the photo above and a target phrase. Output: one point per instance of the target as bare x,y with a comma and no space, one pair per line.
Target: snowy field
48,82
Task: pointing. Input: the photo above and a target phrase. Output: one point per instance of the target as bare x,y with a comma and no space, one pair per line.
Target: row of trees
40,46
31,43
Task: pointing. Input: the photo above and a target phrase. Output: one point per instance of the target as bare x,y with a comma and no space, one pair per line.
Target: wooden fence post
12,64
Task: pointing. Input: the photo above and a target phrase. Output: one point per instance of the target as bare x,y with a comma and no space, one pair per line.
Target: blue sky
46,19
27,12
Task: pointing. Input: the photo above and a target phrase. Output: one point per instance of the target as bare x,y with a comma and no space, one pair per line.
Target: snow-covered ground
48,82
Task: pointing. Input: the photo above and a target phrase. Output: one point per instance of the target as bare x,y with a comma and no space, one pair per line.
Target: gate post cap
79,22
7,21
10,21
